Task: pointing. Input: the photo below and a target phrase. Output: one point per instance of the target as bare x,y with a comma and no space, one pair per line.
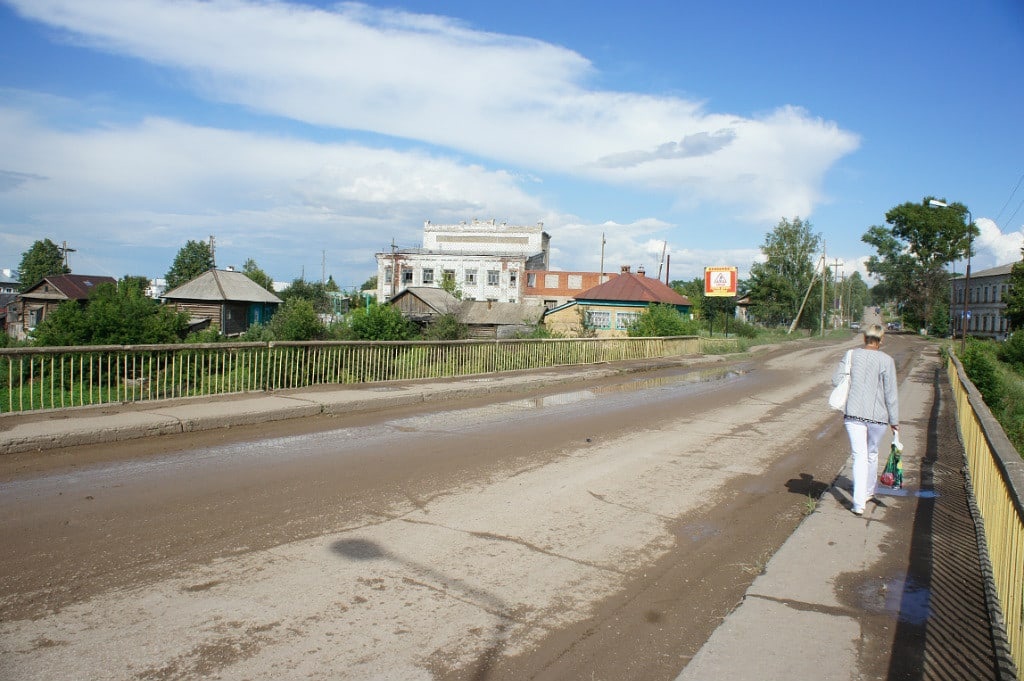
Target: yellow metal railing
997,480
55,378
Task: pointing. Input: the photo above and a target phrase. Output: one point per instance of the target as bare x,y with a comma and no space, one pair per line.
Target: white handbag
837,400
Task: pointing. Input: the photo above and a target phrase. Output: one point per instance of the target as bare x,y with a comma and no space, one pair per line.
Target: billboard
720,281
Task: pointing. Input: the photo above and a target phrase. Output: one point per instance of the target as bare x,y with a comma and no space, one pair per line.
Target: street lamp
934,203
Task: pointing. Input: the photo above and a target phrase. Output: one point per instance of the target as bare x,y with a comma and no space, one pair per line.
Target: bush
980,364
296,320
662,320
743,329
378,322
446,327
1012,352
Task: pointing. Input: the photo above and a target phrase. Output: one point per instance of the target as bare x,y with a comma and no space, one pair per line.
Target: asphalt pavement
895,594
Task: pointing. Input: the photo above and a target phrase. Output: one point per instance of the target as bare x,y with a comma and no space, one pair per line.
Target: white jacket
874,394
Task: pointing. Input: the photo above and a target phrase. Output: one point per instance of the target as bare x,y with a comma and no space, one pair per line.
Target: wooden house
223,299
35,304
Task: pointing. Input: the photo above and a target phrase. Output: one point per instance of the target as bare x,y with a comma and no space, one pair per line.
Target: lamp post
967,277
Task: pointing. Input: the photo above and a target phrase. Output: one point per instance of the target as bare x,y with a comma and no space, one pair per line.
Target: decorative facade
985,306
484,260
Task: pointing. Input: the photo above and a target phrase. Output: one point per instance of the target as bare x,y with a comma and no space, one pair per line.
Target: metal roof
436,298
629,287
501,314
70,286
222,286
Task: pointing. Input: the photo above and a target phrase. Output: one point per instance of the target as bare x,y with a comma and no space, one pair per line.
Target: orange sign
719,281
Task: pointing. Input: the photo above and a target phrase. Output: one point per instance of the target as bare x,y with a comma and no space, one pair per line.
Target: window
470,276
407,275
448,277
575,281
599,319
428,275
624,319
513,277
531,280
388,274
493,278
551,304
551,281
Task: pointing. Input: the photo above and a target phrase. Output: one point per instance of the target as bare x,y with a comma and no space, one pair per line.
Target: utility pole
64,250
821,322
836,293
213,251
601,279
323,268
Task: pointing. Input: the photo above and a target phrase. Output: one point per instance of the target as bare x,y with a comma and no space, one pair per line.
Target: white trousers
864,441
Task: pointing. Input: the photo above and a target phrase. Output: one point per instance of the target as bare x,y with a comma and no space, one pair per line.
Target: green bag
893,473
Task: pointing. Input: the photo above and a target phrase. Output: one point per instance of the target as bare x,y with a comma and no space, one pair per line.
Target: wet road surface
594,533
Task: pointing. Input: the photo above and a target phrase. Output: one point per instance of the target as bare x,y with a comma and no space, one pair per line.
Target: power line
1010,198
1010,219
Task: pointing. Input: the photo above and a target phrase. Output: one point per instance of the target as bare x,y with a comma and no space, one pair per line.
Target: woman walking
872,406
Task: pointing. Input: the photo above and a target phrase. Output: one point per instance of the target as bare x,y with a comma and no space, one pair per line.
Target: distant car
894,326
854,325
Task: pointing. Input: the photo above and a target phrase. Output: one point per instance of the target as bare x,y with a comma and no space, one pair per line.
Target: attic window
86,283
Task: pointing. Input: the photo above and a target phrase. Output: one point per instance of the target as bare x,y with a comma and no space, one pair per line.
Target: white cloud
993,247
514,100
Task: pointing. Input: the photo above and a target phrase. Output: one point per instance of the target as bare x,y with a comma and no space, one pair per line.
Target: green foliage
194,258
208,335
778,285
538,331
42,259
448,284
742,329
115,314
370,284
446,327
296,320
661,320
253,271
313,291
1012,351
980,364
378,322
912,254
1014,298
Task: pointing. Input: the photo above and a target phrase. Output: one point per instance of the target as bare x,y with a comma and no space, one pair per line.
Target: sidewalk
896,594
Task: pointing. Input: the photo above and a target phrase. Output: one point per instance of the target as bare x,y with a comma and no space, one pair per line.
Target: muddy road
600,531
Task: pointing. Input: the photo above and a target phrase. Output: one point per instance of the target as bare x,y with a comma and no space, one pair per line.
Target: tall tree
1015,296
913,251
253,271
313,291
42,259
194,258
780,283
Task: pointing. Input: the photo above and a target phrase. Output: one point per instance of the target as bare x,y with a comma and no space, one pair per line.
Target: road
594,533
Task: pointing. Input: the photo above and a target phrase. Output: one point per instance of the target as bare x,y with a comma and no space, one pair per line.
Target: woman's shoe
857,511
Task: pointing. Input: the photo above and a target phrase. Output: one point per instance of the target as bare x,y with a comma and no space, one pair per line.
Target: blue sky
308,136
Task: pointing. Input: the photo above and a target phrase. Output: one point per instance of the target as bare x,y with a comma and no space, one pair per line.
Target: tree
379,322
43,259
253,271
194,258
370,284
857,295
779,285
1015,296
296,320
115,314
661,320
315,292
913,251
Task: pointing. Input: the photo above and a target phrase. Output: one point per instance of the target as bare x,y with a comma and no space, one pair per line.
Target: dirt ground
596,532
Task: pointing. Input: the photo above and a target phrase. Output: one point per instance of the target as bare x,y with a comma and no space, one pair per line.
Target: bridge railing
55,378
997,481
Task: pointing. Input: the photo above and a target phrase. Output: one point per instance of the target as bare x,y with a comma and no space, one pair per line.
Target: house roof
435,298
476,312
222,286
68,287
1001,270
630,287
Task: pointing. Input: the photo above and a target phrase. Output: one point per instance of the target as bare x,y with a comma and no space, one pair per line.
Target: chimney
624,269
641,271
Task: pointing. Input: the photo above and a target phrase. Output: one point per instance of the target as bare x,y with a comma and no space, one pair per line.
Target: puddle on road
902,597
684,381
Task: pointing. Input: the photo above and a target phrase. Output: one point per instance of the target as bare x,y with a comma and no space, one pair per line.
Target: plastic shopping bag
892,476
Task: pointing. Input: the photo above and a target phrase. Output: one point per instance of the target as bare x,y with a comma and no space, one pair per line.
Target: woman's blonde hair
873,332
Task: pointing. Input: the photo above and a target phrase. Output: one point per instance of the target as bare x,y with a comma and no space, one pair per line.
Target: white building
986,308
485,260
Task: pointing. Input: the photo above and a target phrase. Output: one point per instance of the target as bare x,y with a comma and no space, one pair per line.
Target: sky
308,136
